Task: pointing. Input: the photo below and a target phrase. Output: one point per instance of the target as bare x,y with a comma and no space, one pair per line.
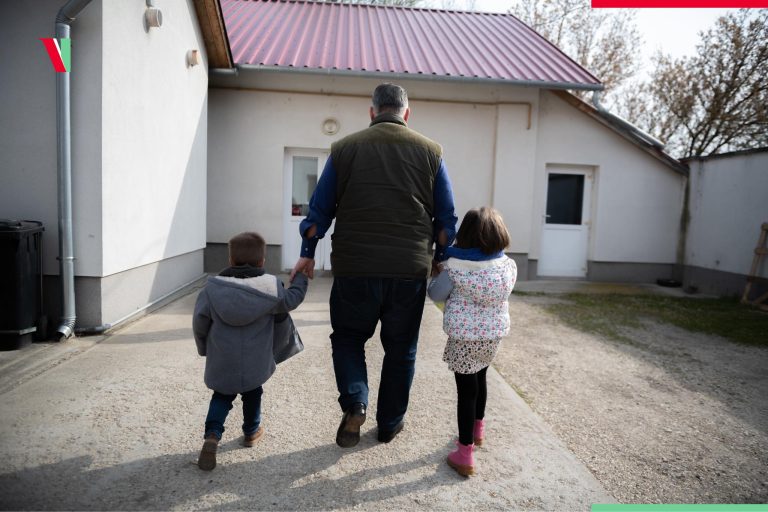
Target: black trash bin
21,283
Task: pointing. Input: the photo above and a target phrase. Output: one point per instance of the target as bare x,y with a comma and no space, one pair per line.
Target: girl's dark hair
247,249
483,228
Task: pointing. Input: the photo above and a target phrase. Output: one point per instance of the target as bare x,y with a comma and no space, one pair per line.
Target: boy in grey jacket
233,324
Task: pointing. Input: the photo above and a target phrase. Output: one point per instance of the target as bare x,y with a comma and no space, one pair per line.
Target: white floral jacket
477,306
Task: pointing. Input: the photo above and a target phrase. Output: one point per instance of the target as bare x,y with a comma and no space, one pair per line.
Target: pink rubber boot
479,432
462,459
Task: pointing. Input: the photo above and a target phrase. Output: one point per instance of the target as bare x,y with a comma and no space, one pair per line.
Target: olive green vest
386,174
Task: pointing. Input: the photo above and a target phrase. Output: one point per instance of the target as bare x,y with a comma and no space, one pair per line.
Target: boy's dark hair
389,97
483,228
247,249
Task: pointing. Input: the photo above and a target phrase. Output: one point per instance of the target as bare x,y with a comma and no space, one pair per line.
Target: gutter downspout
224,71
64,19
653,141
160,301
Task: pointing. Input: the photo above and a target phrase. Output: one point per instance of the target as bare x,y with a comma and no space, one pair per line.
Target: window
565,194
304,183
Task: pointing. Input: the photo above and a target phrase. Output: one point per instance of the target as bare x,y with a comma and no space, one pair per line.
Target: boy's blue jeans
220,406
357,305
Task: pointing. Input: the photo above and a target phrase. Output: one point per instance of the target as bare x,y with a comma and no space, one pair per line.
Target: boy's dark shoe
249,441
207,459
348,434
385,436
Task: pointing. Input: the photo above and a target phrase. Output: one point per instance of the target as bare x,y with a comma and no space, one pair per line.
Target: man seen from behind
389,191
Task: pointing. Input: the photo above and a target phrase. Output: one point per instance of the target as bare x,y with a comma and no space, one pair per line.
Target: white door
302,169
565,232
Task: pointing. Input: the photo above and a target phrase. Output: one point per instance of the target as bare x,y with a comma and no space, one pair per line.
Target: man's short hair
247,249
390,98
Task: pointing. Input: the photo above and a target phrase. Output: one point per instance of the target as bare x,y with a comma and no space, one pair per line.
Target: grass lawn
607,313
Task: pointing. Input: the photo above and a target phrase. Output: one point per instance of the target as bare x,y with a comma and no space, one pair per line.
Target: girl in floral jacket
475,282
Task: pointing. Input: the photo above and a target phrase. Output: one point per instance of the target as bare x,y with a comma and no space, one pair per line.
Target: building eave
664,157
419,76
214,34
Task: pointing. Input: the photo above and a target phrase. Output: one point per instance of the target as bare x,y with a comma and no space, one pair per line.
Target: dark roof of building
374,40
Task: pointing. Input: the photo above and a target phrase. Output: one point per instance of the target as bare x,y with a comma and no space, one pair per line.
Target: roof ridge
384,6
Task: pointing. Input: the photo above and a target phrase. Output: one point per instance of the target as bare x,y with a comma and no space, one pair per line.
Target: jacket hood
241,302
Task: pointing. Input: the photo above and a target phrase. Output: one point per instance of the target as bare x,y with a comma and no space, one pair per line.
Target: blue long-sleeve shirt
322,210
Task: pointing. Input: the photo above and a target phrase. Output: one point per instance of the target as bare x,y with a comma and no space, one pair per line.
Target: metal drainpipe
64,19
224,71
650,139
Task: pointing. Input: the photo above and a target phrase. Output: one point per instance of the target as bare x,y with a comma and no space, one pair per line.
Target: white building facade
170,160
525,151
139,149
728,203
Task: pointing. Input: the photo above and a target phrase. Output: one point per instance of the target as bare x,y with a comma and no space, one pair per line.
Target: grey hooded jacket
233,326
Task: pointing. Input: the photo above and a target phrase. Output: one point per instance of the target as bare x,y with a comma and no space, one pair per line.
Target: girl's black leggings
471,404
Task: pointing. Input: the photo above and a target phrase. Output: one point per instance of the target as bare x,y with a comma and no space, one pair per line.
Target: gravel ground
670,417
118,426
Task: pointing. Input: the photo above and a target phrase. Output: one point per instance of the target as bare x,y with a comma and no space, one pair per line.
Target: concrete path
116,423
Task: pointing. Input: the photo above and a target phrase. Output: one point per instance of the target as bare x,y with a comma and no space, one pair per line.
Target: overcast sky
674,31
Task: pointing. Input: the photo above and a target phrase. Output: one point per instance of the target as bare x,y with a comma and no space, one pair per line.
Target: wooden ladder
760,251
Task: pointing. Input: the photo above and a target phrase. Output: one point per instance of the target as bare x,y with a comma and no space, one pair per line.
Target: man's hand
436,268
305,266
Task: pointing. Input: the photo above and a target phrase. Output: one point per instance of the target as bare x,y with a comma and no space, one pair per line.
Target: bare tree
606,42
716,100
450,5
397,3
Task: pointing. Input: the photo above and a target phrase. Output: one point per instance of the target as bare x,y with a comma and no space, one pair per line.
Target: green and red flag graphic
60,53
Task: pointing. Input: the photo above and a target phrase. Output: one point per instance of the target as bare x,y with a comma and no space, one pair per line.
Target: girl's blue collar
473,254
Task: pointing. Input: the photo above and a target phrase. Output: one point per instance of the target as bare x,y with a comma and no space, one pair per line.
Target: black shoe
348,434
385,436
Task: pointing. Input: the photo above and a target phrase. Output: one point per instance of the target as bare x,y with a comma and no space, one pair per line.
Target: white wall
28,173
250,131
515,154
139,147
466,133
154,115
139,132
728,202
636,201
492,154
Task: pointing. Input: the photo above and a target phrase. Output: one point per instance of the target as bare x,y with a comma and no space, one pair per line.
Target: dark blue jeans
221,405
357,305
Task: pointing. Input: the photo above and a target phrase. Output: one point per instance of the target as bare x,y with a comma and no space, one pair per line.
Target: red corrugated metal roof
372,39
